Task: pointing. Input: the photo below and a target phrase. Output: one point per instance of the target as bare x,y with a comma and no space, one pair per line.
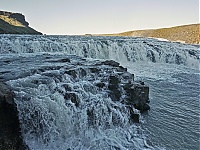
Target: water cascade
71,95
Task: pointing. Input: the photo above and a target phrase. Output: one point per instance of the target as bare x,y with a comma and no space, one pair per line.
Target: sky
78,17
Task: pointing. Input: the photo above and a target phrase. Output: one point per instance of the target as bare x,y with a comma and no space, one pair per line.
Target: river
171,70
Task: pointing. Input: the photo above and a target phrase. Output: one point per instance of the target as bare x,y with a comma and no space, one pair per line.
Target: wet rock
10,132
142,98
63,60
135,118
100,84
94,70
71,73
6,95
127,77
113,86
83,72
111,63
73,97
67,87
114,80
138,95
121,69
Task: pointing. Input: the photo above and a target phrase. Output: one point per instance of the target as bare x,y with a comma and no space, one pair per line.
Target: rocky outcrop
10,135
17,16
77,80
118,81
5,13
14,23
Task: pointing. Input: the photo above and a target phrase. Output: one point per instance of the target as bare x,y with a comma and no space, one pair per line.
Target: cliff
10,134
14,23
185,34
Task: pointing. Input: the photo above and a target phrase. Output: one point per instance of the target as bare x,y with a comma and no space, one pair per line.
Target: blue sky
74,17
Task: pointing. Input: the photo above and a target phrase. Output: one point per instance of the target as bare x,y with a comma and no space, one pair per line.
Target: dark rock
114,80
19,17
94,70
82,72
121,69
100,84
115,94
146,107
63,60
143,99
67,87
151,56
111,63
138,96
6,95
73,97
135,118
5,13
127,86
113,86
91,116
141,82
71,73
10,132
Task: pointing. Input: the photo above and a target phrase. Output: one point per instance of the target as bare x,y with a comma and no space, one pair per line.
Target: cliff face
14,23
10,134
185,34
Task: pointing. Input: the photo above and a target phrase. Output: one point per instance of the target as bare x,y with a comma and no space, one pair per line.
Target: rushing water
171,70
173,121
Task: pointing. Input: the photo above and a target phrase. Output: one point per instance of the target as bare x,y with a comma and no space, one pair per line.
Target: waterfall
64,101
120,49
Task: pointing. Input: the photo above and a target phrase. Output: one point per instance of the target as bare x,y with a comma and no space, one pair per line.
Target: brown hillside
14,23
186,34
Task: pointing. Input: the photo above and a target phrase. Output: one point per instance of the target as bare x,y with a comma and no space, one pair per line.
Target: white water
48,122
117,48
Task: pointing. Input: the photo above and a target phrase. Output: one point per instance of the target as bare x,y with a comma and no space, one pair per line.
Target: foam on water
50,122
120,49
59,111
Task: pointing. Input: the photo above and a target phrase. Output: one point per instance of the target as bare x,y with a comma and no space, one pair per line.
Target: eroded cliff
14,23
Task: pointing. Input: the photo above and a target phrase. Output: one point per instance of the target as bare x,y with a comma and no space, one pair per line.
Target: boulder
138,95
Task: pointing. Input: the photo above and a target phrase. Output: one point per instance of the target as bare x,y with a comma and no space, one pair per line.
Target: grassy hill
186,33
14,23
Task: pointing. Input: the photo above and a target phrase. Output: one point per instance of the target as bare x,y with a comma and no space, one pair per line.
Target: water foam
120,49
58,111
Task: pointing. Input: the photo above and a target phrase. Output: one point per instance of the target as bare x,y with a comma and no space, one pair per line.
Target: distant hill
185,34
14,23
